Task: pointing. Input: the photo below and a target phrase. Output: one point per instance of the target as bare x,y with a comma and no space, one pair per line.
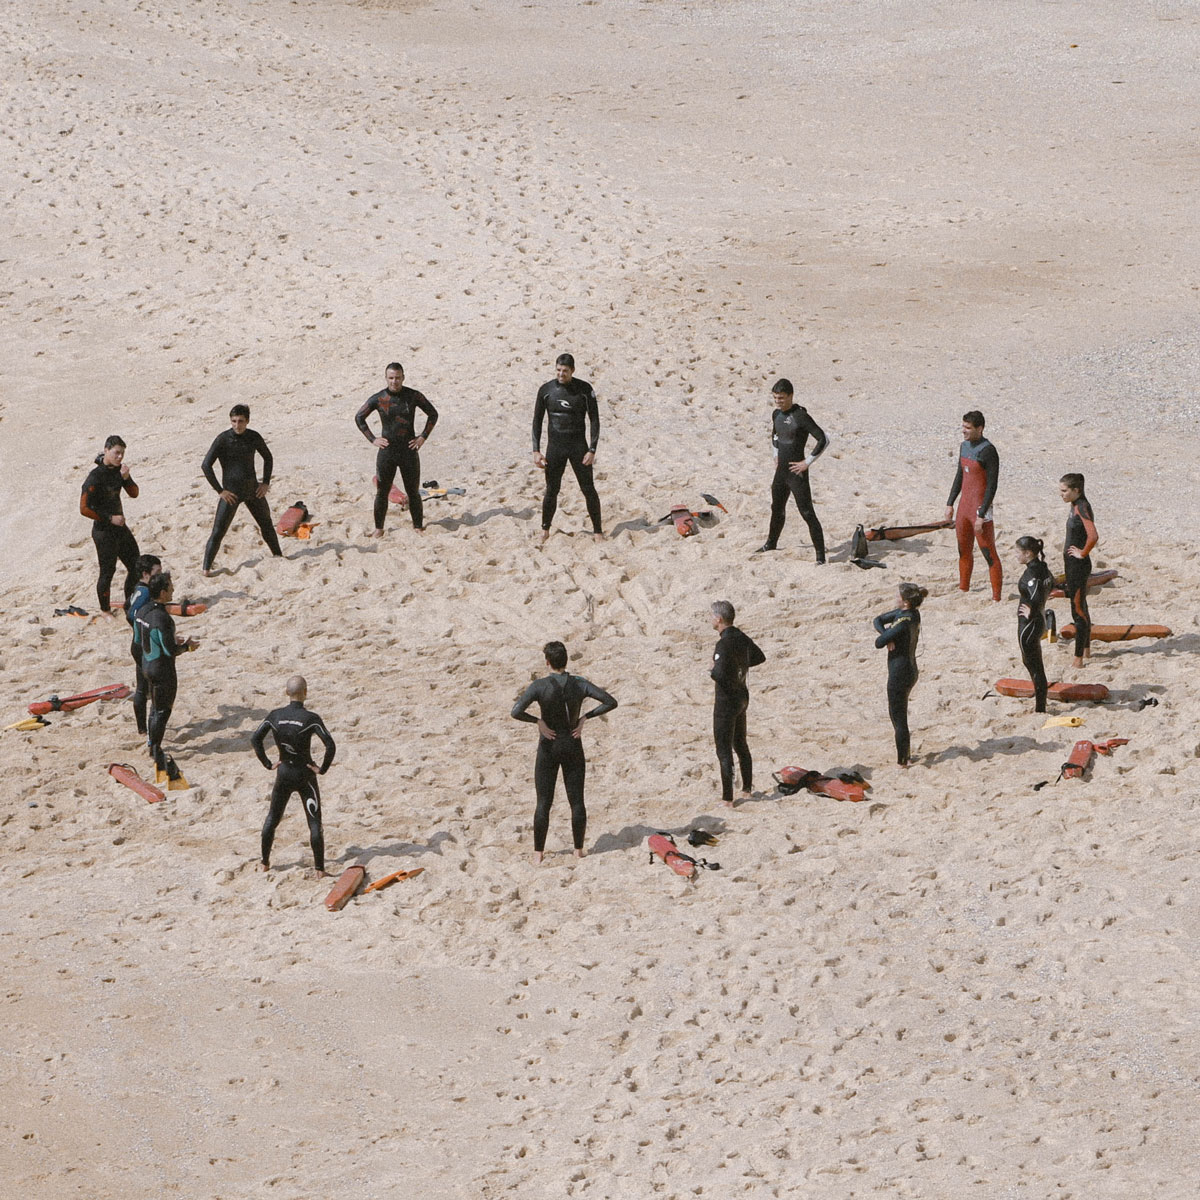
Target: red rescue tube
124,773
893,533
114,691
1079,759
660,844
1023,689
291,519
1095,579
395,496
347,884
685,520
186,608
1118,633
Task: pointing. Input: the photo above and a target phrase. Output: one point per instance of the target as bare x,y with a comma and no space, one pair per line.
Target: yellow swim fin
1067,722
28,723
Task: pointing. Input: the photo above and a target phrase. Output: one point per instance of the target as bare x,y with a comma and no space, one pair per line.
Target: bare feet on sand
375,533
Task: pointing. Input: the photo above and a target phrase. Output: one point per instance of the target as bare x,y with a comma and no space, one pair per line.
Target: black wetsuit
790,432
137,601
159,651
1033,587
1081,532
560,697
101,501
294,727
733,657
235,452
569,407
899,630
397,416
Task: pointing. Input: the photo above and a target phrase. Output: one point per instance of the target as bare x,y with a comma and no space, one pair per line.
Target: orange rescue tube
291,519
1079,759
347,884
185,608
893,533
663,845
1023,689
394,877
113,691
1095,579
124,773
685,520
1118,633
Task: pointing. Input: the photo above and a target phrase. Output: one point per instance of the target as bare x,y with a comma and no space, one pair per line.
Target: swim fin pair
70,611
28,723
172,776
701,837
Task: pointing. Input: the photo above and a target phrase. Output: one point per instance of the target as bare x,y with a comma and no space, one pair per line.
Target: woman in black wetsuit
900,630
1034,587
1081,540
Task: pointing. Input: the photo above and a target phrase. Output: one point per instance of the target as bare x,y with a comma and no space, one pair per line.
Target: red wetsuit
978,474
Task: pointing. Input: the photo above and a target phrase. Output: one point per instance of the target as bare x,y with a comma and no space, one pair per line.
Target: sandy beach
963,985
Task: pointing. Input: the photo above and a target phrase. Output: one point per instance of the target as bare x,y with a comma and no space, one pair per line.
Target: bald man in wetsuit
975,488
295,773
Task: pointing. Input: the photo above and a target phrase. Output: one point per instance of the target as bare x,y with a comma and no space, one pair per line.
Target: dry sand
962,986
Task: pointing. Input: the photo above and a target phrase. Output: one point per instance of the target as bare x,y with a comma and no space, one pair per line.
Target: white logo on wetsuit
313,807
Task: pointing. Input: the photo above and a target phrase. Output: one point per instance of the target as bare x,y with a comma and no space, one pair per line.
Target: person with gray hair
732,659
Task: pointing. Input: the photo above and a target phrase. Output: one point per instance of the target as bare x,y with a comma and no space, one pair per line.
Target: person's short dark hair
556,655
112,440
240,410
724,610
974,417
394,367
783,387
145,564
1074,481
565,360
912,594
159,584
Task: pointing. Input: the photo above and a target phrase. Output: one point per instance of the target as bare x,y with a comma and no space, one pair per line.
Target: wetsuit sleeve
820,436
757,657
539,415
1084,509
86,508
528,696
268,461
607,703
257,740
896,631
360,418
882,621
991,465
956,486
724,669
131,488
330,748
431,414
593,416
207,465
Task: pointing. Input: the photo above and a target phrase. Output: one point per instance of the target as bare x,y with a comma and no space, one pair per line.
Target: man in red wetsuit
976,479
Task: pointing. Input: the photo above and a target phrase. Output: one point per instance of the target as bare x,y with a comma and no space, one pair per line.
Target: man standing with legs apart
732,659
976,479
791,427
100,502
398,443
568,402
235,450
295,772
560,697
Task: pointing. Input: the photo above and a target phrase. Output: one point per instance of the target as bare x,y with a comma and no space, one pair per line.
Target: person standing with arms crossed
1081,540
568,402
100,502
791,427
398,444
732,659
975,481
900,630
560,747
235,450
295,772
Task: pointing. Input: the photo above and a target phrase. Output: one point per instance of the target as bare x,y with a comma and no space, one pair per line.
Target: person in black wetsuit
900,630
791,427
295,772
1033,587
1081,540
560,697
569,403
100,502
398,443
148,565
235,450
732,659
160,648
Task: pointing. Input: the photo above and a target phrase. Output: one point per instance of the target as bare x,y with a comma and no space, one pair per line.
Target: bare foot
208,574
746,794
537,857
420,530
1079,662
320,875
545,535
730,804
597,537
262,866
580,853
375,533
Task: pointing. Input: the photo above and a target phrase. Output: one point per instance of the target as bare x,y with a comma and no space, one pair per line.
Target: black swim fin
701,837
708,498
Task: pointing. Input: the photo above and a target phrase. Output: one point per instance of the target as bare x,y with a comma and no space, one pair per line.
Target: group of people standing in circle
568,407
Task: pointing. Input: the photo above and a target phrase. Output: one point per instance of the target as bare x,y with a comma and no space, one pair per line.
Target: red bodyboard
291,519
662,846
124,773
347,884
114,691
1095,579
1023,689
1118,633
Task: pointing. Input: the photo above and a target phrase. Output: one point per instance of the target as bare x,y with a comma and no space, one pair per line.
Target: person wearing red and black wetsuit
100,502
398,443
235,450
976,479
1081,540
567,402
